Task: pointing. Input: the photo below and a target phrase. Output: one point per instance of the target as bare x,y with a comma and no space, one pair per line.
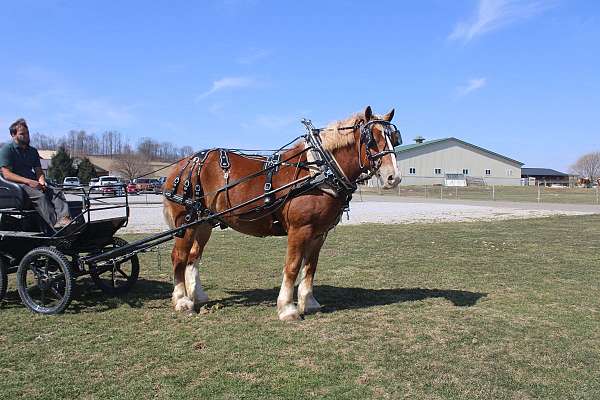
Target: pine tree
61,166
86,171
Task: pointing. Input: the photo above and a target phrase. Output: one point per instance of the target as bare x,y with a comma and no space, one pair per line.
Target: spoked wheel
116,278
3,278
45,281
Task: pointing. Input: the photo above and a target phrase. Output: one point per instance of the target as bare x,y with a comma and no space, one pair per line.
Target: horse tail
167,214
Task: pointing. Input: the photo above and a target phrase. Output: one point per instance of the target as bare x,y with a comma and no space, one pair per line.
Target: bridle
392,138
331,170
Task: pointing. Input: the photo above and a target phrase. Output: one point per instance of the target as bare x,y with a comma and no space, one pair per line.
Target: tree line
110,143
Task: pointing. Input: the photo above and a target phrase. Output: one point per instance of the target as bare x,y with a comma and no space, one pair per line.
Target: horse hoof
289,313
311,310
201,299
310,306
184,305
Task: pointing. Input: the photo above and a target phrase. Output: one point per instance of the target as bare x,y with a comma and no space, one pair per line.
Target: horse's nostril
390,178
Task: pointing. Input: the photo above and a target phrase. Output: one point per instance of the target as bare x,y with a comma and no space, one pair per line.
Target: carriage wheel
45,281
118,278
3,278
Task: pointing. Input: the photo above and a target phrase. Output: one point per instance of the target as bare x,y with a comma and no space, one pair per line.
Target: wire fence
535,194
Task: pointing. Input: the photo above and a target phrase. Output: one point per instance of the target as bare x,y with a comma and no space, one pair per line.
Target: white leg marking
178,291
285,303
193,284
184,304
180,301
307,304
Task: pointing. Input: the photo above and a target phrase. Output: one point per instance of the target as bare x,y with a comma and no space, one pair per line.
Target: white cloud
472,85
227,83
494,14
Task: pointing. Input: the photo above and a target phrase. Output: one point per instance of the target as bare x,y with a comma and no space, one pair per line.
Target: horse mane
334,138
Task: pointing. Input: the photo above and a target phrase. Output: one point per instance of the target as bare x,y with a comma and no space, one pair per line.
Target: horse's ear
388,117
368,113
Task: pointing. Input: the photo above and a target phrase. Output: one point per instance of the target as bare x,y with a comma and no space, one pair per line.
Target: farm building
453,162
546,177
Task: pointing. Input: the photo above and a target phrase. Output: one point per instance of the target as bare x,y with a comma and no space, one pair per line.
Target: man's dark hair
15,125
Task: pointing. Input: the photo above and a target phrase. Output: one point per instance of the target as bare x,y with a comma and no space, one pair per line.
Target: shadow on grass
342,298
88,298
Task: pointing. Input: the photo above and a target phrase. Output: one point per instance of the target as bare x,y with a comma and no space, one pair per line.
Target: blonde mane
334,138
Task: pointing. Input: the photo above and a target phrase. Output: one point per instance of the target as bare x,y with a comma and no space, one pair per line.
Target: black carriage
47,261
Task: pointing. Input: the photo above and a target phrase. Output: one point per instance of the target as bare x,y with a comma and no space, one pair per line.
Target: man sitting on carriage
20,163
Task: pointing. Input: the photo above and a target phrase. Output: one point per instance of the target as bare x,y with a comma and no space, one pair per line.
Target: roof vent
419,139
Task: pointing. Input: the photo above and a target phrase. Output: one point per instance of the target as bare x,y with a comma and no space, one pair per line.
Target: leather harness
327,173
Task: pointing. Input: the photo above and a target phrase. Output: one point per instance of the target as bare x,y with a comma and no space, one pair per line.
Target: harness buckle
268,186
224,159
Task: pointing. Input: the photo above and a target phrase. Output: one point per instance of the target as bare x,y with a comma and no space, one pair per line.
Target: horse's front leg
298,240
179,257
193,285
307,304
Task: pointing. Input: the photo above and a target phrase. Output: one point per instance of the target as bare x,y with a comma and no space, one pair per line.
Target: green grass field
491,310
498,193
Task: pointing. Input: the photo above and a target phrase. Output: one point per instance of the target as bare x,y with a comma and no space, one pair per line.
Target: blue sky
517,77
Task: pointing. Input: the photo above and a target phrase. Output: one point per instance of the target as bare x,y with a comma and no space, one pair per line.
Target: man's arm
11,176
39,173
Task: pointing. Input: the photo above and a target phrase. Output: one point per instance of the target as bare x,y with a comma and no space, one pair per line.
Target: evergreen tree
86,170
61,165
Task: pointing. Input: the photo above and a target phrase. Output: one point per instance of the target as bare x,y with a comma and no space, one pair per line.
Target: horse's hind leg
307,304
185,257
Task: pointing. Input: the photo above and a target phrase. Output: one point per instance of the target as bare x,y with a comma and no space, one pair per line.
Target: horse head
378,137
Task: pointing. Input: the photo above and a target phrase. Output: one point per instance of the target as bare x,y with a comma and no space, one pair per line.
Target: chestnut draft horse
300,192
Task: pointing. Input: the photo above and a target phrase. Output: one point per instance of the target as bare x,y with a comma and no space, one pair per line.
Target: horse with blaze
305,218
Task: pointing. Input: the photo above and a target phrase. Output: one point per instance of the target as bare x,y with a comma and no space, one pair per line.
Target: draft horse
300,192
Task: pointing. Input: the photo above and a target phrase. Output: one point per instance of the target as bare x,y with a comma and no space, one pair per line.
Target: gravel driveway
147,218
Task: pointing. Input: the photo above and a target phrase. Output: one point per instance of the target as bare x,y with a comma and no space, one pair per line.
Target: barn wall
452,156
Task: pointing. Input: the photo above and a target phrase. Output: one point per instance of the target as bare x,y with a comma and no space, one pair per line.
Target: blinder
390,132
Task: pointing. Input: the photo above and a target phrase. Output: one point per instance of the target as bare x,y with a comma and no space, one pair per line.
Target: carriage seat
12,195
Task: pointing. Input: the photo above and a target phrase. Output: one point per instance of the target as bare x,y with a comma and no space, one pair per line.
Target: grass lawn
491,310
498,193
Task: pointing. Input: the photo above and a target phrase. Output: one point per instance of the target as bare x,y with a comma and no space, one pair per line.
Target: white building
450,160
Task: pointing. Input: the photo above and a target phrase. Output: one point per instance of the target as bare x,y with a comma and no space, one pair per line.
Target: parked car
144,185
71,182
157,184
110,185
131,188
94,182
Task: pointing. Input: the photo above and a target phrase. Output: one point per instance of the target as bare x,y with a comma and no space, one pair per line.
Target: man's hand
42,182
34,184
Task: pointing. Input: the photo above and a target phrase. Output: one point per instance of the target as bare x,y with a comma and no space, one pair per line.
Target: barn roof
409,147
541,172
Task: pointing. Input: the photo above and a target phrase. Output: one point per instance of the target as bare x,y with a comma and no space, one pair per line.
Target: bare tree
131,165
588,166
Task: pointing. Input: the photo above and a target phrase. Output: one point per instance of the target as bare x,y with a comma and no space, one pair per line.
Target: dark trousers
50,204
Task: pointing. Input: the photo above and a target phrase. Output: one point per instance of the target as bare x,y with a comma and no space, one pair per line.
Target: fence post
539,194
493,192
425,191
456,193
441,193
